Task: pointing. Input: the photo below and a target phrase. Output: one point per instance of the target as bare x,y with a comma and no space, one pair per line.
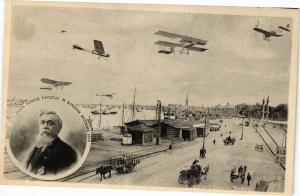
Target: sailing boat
100,112
132,108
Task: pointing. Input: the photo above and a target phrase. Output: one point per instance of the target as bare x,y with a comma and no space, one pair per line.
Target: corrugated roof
149,122
145,122
141,128
180,123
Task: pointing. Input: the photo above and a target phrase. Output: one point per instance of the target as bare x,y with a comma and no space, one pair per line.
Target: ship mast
99,95
122,123
133,105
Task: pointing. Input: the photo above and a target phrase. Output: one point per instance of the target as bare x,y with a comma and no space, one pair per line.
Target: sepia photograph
47,138
150,97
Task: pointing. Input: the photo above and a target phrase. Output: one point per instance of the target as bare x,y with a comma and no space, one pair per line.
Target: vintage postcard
150,97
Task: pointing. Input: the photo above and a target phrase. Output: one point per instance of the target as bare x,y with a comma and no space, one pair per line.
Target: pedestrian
202,152
240,169
170,148
221,135
214,141
243,178
248,179
256,186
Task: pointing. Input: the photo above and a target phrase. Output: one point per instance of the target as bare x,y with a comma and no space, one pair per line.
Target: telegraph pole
203,150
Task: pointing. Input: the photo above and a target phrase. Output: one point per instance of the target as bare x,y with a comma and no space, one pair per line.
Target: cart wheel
130,168
191,182
180,179
119,170
198,180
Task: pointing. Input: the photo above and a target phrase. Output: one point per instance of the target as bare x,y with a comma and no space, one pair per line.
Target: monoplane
266,34
286,28
63,31
98,49
54,83
185,43
108,95
77,47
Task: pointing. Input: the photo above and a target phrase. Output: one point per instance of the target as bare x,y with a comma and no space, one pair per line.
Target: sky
238,67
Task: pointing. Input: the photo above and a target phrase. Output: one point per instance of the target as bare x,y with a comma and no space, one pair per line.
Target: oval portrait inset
49,138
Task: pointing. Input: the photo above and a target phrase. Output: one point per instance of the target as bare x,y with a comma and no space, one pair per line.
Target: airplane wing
59,83
196,49
283,28
98,47
167,34
193,41
54,82
76,46
261,31
48,81
185,39
168,44
46,88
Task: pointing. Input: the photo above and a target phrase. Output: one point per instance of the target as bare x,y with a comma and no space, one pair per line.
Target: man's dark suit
55,158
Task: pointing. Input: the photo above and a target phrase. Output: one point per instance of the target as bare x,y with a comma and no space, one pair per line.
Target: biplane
185,43
286,28
266,34
54,83
98,49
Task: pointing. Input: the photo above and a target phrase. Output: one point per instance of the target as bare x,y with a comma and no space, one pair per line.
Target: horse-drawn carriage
247,123
193,175
259,147
229,140
239,176
124,164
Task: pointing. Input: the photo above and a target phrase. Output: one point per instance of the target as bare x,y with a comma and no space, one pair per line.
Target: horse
103,170
202,152
205,171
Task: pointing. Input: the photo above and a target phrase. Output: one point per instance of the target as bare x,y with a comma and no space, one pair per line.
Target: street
163,170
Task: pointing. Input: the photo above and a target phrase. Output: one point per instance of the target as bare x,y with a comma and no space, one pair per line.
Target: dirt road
163,169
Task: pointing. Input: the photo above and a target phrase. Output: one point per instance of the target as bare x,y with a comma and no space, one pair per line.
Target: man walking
248,178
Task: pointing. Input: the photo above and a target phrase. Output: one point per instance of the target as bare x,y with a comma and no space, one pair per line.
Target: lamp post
204,131
242,128
203,150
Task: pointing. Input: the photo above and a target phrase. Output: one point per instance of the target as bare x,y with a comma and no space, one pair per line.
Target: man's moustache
47,133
